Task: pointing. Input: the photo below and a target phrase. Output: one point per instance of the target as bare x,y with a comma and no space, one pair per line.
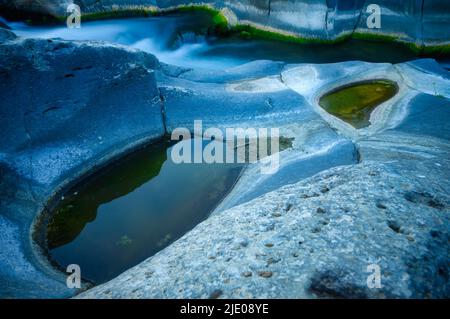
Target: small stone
265,274
247,274
269,245
295,255
410,238
324,190
215,294
276,215
320,210
381,206
309,195
272,260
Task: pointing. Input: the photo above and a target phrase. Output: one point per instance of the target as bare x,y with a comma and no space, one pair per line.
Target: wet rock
6,35
58,97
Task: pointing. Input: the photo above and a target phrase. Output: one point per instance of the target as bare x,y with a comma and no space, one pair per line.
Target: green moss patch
118,14
355,102
250,32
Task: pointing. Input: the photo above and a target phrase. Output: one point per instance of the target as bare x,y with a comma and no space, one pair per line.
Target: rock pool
354,103
131,209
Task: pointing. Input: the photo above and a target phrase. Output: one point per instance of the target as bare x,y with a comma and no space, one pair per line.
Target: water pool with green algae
355,102
130,210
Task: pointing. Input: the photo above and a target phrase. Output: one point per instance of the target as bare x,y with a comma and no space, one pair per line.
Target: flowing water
177,39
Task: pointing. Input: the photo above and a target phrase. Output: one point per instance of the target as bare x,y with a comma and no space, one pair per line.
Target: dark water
132,209
175,39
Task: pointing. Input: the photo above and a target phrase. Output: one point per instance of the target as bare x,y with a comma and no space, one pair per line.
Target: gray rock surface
65,108
316,237
343,199
304,242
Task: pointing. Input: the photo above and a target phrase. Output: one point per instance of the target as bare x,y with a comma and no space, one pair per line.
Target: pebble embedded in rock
381,206
276,215
215,294
265,274
272,260
320,210
324,190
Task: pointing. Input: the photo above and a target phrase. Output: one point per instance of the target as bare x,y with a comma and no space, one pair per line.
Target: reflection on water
174,39
132,209
355,102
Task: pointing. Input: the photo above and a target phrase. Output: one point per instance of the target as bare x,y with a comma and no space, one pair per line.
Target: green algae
251,32
374,37
218,22
117,14
355,102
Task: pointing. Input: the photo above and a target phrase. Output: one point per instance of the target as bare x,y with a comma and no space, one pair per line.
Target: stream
179,39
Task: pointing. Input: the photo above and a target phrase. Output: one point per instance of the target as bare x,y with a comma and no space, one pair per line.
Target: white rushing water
160,36
174,39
